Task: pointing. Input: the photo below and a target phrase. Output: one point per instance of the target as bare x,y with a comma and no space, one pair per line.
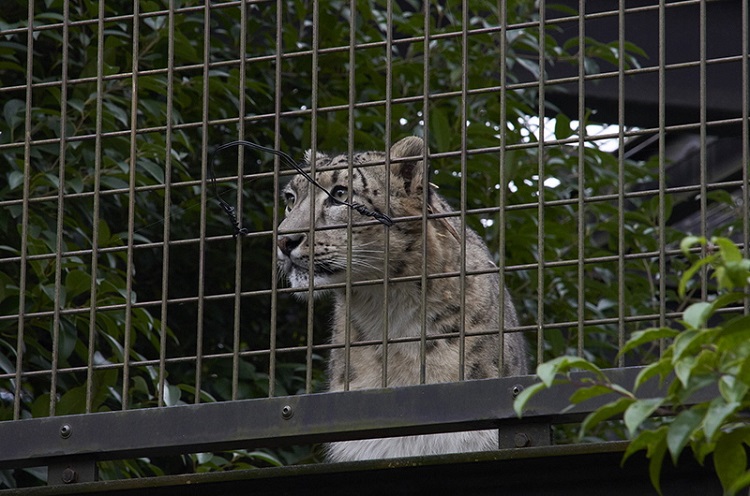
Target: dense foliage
107,144
711,350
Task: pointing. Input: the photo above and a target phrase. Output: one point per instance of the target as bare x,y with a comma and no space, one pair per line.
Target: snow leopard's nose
289,242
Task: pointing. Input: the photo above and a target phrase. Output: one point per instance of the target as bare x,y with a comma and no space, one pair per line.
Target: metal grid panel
135,293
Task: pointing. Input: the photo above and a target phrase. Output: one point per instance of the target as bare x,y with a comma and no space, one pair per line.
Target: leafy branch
712,351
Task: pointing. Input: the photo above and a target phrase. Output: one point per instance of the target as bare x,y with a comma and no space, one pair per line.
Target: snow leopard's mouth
326,268
321,268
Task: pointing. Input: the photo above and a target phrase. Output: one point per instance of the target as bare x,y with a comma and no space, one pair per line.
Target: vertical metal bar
350,154
464,174
702,153
239,201
745,140
502,179
388,141
131,209
167,206
662,133
581,175
58,302
202,222
662,219
425,185
540,172
311,190
621,182
24,215
93,290
745,137
276,194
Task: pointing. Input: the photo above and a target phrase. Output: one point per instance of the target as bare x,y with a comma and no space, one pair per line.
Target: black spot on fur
480,344
407,174
399,268
335,176
364,179
352,375
407,186
478,318
447,312
454,329
475,371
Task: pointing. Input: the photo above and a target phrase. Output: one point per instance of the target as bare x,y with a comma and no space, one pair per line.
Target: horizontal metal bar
291,420
529,472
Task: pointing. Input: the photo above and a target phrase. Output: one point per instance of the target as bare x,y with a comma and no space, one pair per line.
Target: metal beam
571,470
287,420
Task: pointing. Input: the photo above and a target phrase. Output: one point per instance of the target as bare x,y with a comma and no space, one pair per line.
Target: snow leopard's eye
340,193
289,199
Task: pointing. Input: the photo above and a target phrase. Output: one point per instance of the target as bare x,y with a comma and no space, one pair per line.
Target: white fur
398,447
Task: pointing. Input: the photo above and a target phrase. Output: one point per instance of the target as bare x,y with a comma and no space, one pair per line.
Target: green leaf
104,234
739,484
6,365
727,248
15,179
586,393
695,315
727,299
654,442
721,196
716,416
604,413
562,127
735,274
171,394
14,111
519,404
205,397
735,333
681,429
730,458
683,369
690,272
684,342
639,411
661,368
77,282
440,130
688,242
646,336
732,390
73,401
266,457
744,373
547,371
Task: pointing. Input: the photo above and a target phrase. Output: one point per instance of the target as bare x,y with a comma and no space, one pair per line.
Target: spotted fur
365,307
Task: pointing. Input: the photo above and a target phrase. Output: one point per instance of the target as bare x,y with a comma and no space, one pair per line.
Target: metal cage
579,139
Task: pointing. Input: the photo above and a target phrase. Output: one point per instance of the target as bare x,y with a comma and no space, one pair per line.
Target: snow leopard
397,189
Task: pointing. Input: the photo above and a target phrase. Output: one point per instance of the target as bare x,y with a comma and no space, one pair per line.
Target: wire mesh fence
579,140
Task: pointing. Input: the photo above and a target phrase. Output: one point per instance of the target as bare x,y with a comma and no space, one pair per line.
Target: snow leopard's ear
318,156
412,171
